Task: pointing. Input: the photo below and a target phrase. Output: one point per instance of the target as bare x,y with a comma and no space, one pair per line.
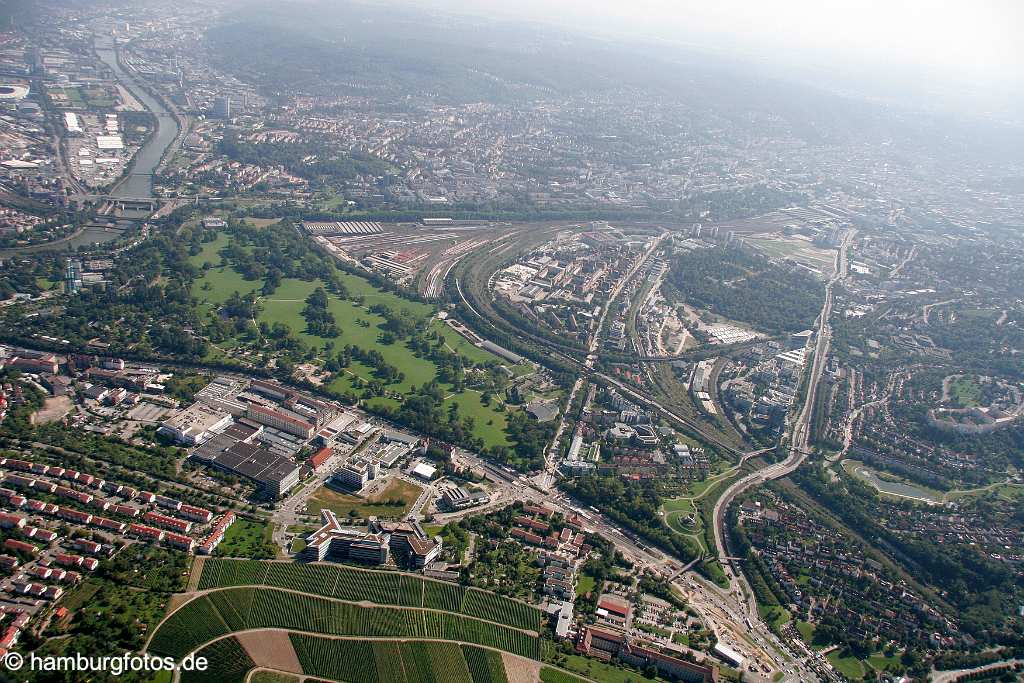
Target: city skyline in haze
945,49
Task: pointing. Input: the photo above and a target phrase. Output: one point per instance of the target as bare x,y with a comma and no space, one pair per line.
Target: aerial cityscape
382,341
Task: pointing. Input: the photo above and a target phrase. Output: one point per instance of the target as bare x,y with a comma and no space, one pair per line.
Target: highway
731,614
720,609
799,434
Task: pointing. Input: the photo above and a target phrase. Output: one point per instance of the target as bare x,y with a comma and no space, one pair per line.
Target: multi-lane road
731,613
799,441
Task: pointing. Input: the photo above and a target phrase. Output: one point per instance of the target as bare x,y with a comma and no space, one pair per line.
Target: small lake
894,488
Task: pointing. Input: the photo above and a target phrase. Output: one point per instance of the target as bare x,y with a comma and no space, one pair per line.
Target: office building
332,541
354,474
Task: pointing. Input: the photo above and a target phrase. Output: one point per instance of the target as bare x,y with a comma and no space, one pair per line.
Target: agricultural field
228,663
195,623
272,677
381,587
396,662
485,666
237,609
380,505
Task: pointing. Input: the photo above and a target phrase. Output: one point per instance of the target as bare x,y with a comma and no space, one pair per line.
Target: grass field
585,584
262,222
848,666
489,423
342,504
358,326
597,671
880,661
246,538
806,630
965,391
677,512
684,505
776,617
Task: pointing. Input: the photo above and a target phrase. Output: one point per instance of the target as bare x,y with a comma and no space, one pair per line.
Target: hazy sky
980,42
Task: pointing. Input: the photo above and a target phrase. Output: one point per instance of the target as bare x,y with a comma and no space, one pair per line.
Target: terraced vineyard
236,609
485,666
379,587
396,662
228,663
195,623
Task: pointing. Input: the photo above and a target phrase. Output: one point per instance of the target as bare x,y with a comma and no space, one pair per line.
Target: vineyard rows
379,587
226,573
396,662
236,609
194,624
227,660
485,666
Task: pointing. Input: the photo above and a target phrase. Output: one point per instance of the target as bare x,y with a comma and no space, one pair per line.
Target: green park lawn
848,666
880,661
489,424
965,391
359,327
775,616
806,630
246,538
684,505
599,671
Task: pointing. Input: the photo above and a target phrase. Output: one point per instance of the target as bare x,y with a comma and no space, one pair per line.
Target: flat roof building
461,498
332,541
274,473
354,474
424,471
285,420
195,424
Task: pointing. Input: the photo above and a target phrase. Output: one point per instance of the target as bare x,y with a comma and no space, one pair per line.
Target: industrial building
279,418
273,473
195,424
606,643
460,498
333,228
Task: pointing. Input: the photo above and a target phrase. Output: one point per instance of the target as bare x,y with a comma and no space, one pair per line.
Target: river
139,181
